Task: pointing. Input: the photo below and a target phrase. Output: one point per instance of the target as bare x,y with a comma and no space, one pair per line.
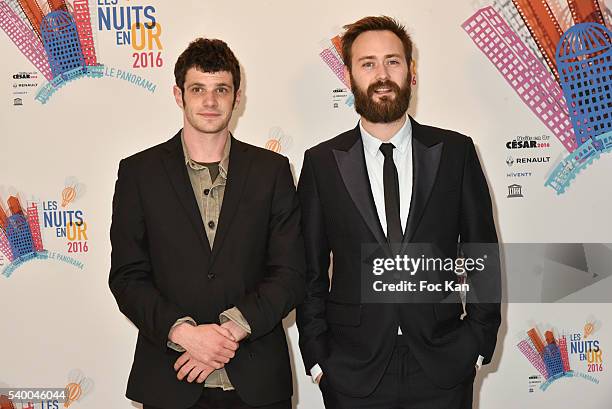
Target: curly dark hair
207,55
381,23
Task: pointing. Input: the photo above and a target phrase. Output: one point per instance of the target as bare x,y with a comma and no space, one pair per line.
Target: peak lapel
426,154
352,167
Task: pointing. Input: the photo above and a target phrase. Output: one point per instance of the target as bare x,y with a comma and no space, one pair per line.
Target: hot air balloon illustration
278,140
79,385
68,195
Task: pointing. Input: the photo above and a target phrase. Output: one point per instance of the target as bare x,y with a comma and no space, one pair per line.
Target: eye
368,64
222,91
196,90
393,62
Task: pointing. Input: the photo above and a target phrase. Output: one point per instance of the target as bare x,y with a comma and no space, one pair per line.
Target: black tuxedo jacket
162,267
353,341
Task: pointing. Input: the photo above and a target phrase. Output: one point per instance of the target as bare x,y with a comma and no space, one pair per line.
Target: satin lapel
174,163
425,163
238,172
352,167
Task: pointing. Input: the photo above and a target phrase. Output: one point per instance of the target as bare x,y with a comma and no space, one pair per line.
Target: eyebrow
218,84
372,57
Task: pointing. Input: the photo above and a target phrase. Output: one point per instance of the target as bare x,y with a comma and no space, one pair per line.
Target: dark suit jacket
353,341
162,267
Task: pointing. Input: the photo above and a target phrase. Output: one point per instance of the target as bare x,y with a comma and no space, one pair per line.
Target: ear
347,77
178,96
412,70
237,99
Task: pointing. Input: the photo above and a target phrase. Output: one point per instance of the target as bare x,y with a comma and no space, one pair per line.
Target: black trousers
403,386
217,398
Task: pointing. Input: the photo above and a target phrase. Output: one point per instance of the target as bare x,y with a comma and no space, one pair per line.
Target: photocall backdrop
86,83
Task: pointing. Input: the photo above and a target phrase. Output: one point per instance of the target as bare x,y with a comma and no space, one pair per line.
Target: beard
386,109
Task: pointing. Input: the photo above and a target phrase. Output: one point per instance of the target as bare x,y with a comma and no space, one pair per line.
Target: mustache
383,84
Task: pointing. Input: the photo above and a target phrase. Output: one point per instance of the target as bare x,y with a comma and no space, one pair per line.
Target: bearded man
390,181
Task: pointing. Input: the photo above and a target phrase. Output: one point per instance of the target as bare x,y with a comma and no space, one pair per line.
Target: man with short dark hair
207,253
390,181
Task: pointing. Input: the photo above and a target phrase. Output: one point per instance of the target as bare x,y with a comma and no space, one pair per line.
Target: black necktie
392,197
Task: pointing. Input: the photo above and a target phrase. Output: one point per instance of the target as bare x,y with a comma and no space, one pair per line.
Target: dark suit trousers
403,386
217,398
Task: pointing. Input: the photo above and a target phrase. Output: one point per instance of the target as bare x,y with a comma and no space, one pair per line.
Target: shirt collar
401,140
223,164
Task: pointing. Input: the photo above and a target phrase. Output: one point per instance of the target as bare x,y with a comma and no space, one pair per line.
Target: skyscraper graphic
584,59
25,39
532,355
14,5
34,225
82,18
562,342
19,235
5,246
552,356
334,62
61,41
522,70
511,15
534,336
3,218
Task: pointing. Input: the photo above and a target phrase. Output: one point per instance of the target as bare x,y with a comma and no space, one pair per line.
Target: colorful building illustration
20,234
511,15
34,224
25,39
82,18
61,40
522,70
584,59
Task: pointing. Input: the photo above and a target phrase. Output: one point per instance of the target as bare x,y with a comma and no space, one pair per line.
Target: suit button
206,192
251,355
211,276
211,224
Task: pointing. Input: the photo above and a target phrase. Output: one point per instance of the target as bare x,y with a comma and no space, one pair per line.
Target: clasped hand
207,347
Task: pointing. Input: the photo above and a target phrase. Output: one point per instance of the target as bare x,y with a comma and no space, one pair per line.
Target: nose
382,73
210,99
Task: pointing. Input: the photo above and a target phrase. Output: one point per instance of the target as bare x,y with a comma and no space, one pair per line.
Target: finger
231,345
195,372
224,355
204,374
225,332
181,361
185,369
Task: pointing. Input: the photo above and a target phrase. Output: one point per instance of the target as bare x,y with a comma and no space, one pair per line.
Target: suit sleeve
130,278
311,321
478,226
282,287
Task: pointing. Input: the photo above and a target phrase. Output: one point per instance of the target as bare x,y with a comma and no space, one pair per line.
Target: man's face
208,100
380,77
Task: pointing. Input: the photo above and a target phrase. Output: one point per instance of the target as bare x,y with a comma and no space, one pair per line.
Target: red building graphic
82,18
34,224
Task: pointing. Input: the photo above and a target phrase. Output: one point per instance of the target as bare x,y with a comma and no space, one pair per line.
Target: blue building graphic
584,62
61,41
19,235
